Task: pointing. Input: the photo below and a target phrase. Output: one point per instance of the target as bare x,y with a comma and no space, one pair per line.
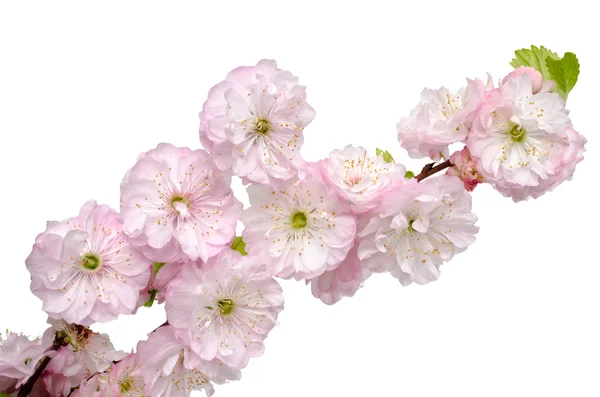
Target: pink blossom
298,228
520,139
441,118
417,228
123,379
84,270
86,354
227,307
465,168
572,155
171,369
177,206
19,356
360,179
253,122
343,281
96,386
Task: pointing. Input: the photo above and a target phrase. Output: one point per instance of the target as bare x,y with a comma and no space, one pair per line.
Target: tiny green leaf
150,302
564,72
157,267
409,174
535,58
239,245
387,157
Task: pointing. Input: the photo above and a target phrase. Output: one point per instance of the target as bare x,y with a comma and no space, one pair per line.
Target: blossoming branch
331,224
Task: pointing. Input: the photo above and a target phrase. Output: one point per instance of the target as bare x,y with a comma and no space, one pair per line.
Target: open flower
19,356
96,386
177,206
228,307
571,156
171,369
122,380
441,118
253,122
417,228
359,178
520,140
84,270
298,228
125,378
85,354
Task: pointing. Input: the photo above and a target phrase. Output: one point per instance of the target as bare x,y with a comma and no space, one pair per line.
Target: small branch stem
431,169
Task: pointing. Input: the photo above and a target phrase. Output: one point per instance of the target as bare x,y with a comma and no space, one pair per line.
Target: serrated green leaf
239,245
157,267
564,72
387,157
153,294
536,58
409,174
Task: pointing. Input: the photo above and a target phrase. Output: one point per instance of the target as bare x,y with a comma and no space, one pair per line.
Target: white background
86,86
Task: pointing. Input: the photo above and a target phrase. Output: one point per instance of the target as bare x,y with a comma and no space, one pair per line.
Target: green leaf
387,157
239,245
157,267
409,174
535,58
564,72
4,395
150,302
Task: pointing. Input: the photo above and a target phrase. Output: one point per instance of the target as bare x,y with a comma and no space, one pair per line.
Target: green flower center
410,230
125,386
179,199
91,261
226,306
262,126
517,133
299,220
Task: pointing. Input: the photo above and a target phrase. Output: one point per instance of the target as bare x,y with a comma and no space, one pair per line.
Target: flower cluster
331,223
519,137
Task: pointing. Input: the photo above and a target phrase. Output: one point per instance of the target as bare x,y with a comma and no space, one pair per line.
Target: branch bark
431,169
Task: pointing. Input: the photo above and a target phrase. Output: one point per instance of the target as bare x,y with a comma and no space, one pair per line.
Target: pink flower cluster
170,241
518,136
331,223
353,214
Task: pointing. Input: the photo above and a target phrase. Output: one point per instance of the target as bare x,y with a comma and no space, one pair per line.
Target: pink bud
537,81
465,168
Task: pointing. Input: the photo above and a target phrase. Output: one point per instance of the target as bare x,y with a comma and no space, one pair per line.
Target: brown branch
431,169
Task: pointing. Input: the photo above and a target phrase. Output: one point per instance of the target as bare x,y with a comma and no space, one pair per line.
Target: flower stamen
179,199
299,220
262,126
91,261
517,133
226,306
